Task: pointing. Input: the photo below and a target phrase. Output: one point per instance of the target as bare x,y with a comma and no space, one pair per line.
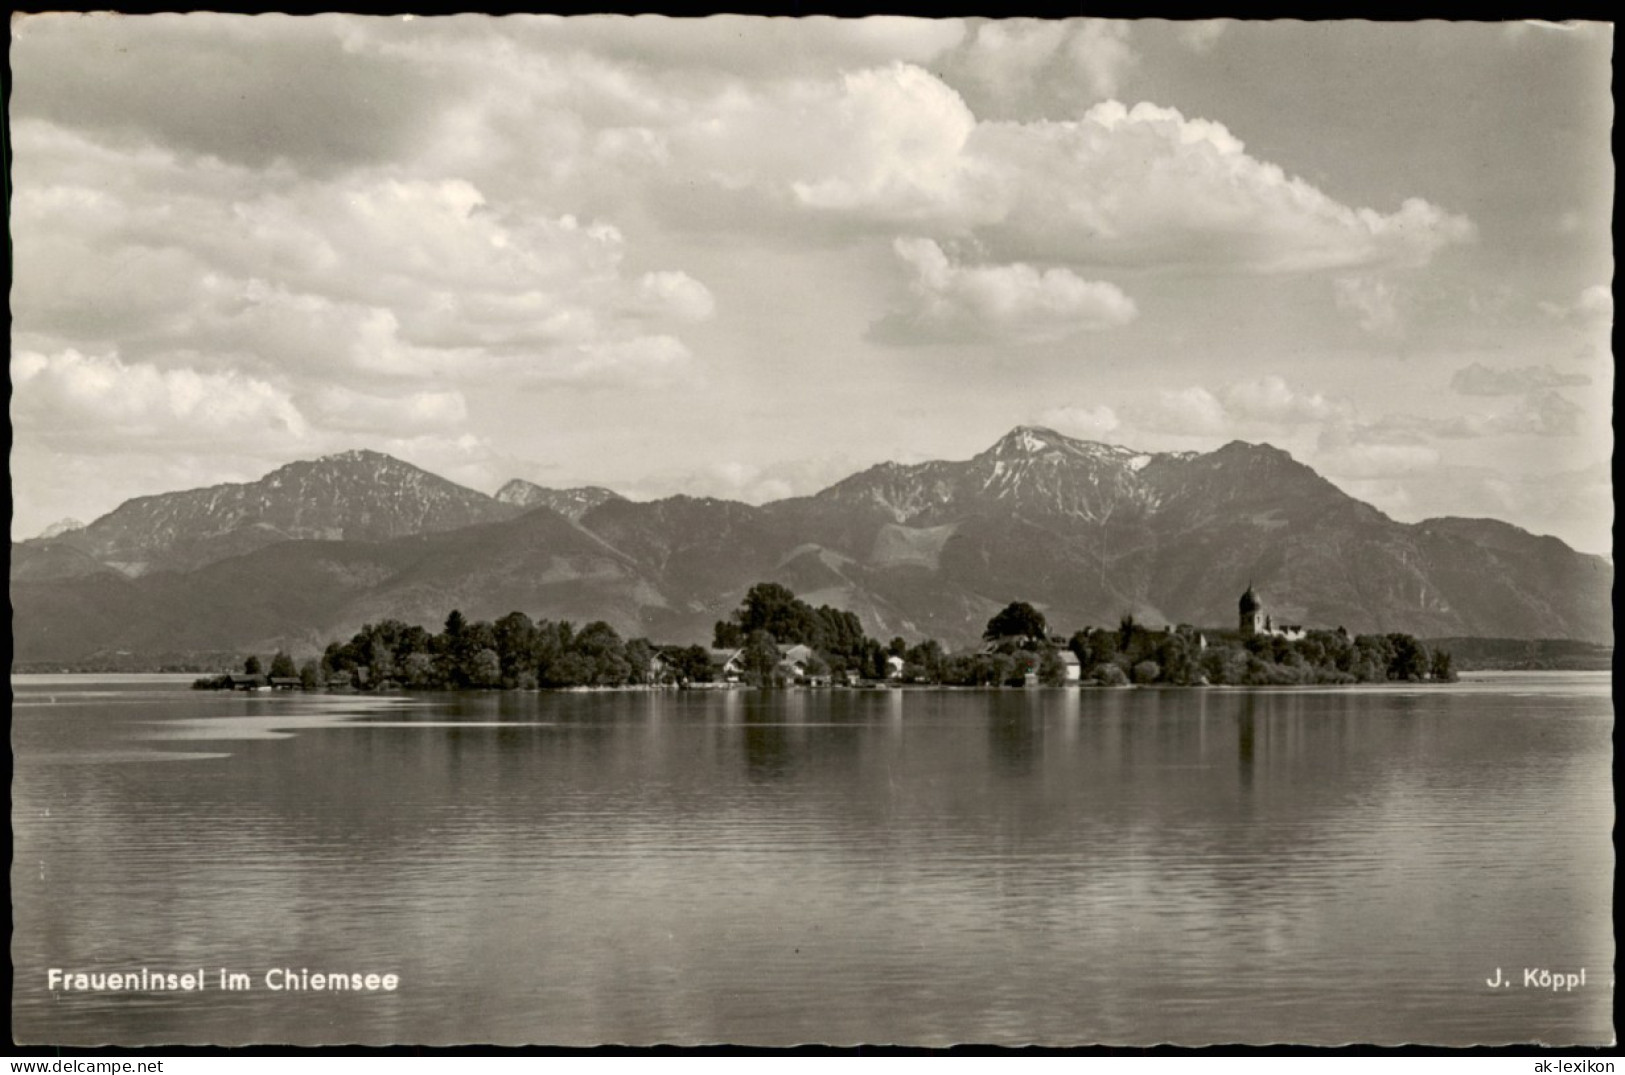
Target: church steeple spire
1252,613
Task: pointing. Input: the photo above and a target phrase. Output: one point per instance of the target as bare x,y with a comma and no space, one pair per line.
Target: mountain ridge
357,495
1085,530
574,502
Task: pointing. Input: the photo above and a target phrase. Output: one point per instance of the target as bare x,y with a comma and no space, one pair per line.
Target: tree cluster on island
1182,656
517,653
772,618
1018,644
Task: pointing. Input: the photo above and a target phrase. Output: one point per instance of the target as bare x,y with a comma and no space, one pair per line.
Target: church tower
1252,614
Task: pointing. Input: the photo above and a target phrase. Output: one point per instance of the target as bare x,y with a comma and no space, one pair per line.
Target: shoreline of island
775,640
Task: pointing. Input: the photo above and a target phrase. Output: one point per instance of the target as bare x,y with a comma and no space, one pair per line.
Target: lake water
912,867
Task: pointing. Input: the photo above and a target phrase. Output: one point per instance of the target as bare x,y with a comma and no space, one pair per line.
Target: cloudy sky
744,258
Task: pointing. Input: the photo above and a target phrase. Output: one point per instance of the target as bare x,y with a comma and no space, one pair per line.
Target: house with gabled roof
727,665
799,653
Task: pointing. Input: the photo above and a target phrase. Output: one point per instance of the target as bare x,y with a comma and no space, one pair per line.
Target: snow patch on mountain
572,503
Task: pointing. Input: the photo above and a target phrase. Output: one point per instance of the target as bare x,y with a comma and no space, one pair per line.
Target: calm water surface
924,868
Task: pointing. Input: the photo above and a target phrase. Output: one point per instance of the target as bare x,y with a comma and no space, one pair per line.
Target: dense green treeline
1019,645
771,616
1183,656
774,638
515,652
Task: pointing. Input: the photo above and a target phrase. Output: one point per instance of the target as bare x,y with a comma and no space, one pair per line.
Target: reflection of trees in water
1173,768
797,732
1245,734
769,753
1304,743
1013,731
765,738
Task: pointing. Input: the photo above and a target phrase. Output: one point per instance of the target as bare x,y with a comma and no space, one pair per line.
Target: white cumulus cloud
1011,67
1371,301
889,143
898,146
954,302
674,294
1004,58
1595,303
1101,48
343,409
415,278
1540,414
1264,406
1184,411
1478,379
1368,461
1090,423
1148,186
69,395
1271,400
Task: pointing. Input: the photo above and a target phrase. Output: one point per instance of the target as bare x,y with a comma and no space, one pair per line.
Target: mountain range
1085,531
571,502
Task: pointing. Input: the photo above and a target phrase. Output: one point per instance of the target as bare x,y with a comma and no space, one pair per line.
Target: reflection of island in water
1062,866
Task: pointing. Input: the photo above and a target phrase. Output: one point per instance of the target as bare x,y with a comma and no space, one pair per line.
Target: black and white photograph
583,530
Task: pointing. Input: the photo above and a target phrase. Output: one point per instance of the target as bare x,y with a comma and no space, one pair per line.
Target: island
774,639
